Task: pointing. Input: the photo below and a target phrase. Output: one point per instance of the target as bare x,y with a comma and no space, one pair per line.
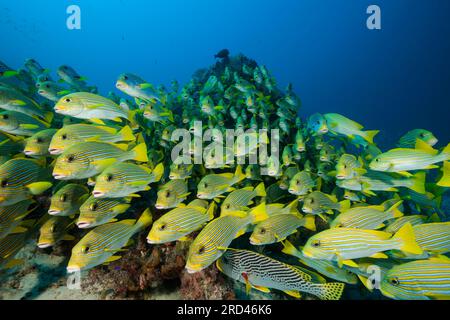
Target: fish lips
160,206
55,151
83,224
29,152
59,176
53,212
44,245
72,269
98,194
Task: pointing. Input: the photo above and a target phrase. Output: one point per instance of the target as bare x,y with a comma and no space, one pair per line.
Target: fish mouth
300,149
160,206
151,240
28,152
432,142
83,224
44,245
171,177
340,176
191,270
59,176
201,196
292,191
323,130
53,212
71,269
306,210
54,151
98,194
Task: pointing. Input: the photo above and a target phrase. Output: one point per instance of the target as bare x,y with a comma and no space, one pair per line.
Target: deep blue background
395,79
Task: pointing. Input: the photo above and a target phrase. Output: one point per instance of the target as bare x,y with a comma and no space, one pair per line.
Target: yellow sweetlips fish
102,243
287,176
325,267
409,139
348,167
264,273
178,170
402,159
11,217
217,235
136,87
339,124
156,112
125,179
87,159
21,124
92,107
344,244
301,184
172,194
70,135
37,145
14,100
414,220
95,212
433,238
318,202
214,185
54,230
278,227
180,222
67,200
366,217
238,200
418,280
20,179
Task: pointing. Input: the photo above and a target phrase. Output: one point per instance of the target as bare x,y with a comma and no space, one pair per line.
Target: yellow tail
239,174
331,290
445,180
419,182
394,212
260,190
158,171
144,221
310,222
126,134
369,135
140,153
290,249
409,244
259,213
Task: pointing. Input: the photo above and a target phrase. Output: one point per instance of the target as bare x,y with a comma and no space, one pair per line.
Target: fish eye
315,243
39,140
262,231
85,249
227,206
63,198
167,194
5,116
52,229
345,166
377,160
64,137
109,177
47,86
394,281
162,227
70,158
201,250
68,100
205,185
311,200
297,181
422,134
4,183
94,206
125,77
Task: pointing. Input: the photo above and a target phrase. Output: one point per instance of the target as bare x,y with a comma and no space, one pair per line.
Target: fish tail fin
309,222
344,205
446,152
158,171
445,180
211,209
406,235
259,213
370,134
140,153
126,134
330,291
239,174
418,184
260,190
144,220
394,212
288,248
48,117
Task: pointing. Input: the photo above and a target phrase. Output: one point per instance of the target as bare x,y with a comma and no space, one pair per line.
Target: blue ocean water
393,79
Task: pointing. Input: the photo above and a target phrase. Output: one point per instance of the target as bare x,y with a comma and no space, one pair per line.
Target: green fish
409,139
171,194
396,224
37,145
317,203
214,185
349,167
301,184
67,200
238,200
101,244
339,124
21,124
125,179
95,212
12,216
54,230
87,159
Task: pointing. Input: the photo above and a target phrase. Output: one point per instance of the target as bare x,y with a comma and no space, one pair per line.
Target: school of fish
333,204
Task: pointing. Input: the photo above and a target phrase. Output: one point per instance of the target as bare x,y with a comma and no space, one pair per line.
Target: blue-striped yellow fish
318,202
433,238
95,212
172,194
301,184
89,106
180,222
11,217
179,170
67,200
414,220
418,280
214,185
328,268
339,124
217,235
344,244
21,124
125,179
238,200
102,243
278,227
366,217
37,145
54,230
20,179
87,159
409,139
264,273
403,159
348,167
72,134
